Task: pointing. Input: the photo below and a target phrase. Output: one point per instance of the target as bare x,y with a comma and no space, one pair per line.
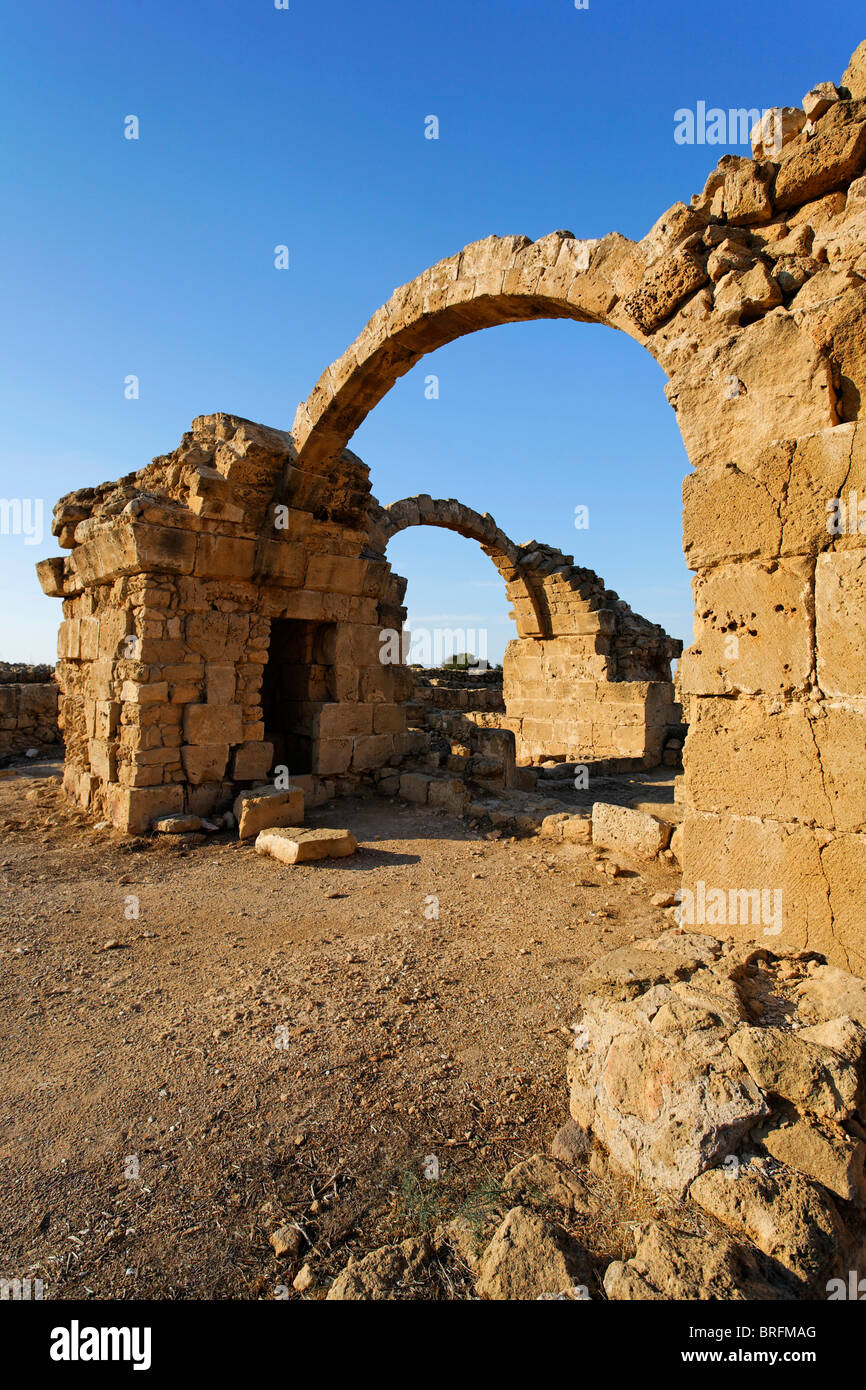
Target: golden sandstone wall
751,298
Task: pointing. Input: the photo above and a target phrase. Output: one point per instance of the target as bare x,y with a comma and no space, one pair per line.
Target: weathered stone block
630,832
295,846
264,808
840,621
205,762
252,761
213,724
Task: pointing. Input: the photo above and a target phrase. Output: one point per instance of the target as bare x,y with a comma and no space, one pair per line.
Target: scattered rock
528,1257
287,1240
630,832
787,1217
672,1264
179,824
386,1273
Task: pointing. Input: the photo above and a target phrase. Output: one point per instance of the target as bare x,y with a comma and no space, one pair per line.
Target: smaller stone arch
451,515
586,677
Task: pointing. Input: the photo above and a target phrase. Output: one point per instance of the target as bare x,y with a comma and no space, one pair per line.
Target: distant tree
460,661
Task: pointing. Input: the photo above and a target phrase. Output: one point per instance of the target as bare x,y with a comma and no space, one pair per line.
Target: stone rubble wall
28,714
170,589
733,1079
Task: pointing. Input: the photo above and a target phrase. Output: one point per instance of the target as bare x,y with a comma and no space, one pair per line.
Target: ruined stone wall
173,583
28,708
576,639
570,712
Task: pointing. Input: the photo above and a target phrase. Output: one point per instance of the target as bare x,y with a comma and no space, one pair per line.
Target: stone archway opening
585,680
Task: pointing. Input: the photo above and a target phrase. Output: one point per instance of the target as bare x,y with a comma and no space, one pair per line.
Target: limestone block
372,750
338,574
343,721
577,829
106,715
747,856
205,762
840,621
414,787
449,794
219,637
664,288
771,763
742,295
131,809
854,76
220,683
843,863
389,719
69,638
102,756
630,832
746,197
753,629
529,1258
768,381
264,808
144,693
671,1264
179,824
89,639
297,846
213,724
332,755
832,158
280,562
224,557
808,1073
824,1152
786,1216
252,761
819,99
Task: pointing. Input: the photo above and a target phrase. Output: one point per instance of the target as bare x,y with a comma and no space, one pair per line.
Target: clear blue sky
305,127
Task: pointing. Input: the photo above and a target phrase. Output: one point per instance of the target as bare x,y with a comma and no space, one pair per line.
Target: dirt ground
201,1044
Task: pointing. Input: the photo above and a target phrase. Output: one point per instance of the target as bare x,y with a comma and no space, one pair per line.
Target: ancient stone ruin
28,708
224,607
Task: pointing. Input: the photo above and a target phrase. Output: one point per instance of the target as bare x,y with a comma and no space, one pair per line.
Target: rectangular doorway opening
296,682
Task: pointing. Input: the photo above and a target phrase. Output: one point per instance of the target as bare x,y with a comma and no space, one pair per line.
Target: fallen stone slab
824,1152
295,845
630,832
829,993
265,808
815,1078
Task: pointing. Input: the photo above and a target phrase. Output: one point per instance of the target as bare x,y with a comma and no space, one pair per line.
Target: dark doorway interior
296,682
